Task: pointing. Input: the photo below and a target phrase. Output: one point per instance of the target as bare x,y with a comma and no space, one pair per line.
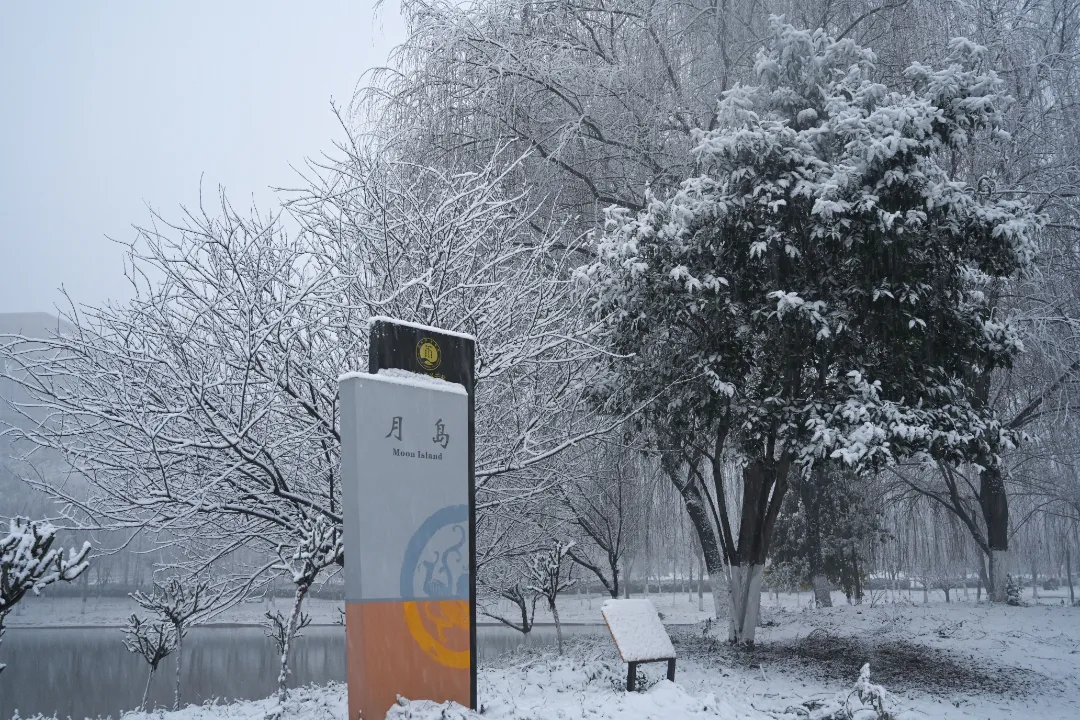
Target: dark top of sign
422,350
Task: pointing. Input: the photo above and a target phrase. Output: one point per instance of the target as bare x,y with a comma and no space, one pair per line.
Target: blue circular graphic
440,582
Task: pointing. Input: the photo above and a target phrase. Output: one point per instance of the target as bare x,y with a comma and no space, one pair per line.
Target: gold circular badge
428,354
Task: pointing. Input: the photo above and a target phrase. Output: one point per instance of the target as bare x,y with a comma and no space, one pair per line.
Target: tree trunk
526,627
85,592
809,491
1068,572
998,575
146,690
763,491
1035,577
674,575
701,584
983,581
294,619
855,571
711,557
558,625
744,603
179,662
995,509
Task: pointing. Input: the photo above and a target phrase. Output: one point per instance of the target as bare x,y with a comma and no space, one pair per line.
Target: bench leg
671,669
631,676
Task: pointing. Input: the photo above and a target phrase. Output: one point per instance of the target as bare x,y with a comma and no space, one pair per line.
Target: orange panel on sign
416,649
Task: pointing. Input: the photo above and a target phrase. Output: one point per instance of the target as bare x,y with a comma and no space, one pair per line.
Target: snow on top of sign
418,326
397,376
637,631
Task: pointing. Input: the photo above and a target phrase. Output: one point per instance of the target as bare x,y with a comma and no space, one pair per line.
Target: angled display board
639,636
408,498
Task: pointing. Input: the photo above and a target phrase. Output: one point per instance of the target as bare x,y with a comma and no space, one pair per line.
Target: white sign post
405,485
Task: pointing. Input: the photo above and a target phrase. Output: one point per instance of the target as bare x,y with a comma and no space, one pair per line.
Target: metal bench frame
631,671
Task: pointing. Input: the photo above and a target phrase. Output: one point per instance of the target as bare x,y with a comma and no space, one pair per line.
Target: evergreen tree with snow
1014,591
821,532
818,290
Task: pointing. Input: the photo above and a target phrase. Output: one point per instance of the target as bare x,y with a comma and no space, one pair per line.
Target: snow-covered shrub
1013,591
153,641
28,562
177,602
865,701
872,698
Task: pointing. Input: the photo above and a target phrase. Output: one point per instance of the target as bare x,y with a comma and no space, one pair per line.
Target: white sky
109,107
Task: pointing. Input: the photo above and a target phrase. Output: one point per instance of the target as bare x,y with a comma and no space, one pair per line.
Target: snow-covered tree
318,549
818,291
178,602
823,528
206,407
507,583
601,502
30,563
605,96
153,641
550,574
283,632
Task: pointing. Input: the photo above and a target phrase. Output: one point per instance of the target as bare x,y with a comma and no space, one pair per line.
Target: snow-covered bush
153,641
177,602
873,699
29,563
1013,591
865,701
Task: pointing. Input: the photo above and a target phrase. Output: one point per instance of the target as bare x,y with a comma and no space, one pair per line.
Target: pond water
87,672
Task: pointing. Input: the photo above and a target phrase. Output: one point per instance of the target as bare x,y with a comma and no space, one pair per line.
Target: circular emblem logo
428,354
435,586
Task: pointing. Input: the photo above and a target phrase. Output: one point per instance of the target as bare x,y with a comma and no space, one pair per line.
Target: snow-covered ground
938,660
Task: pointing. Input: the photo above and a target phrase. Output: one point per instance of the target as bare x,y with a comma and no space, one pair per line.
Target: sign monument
406,467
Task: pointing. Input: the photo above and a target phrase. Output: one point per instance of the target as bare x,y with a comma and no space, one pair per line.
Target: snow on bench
639,635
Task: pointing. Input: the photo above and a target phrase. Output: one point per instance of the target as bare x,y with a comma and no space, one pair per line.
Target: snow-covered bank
960,660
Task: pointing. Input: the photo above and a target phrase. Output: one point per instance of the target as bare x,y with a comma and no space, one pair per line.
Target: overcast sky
108,107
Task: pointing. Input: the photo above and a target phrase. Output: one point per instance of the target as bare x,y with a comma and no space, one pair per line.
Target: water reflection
86,672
